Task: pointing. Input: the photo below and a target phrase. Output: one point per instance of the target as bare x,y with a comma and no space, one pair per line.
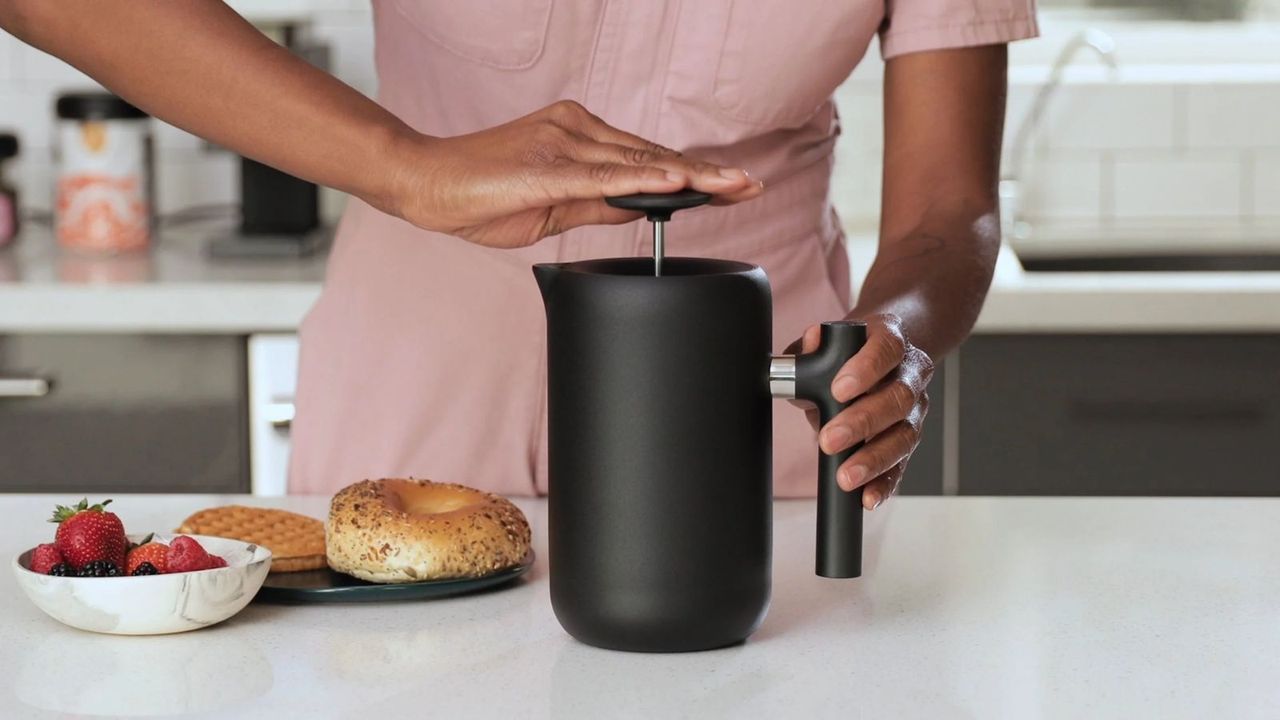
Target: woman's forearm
198,65
935,276
939,232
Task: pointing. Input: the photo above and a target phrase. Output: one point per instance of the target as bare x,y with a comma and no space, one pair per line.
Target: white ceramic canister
104,188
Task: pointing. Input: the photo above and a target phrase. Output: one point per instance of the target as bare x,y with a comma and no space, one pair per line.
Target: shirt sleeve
918,25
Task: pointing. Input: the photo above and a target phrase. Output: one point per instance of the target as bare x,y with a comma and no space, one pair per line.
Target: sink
1173,262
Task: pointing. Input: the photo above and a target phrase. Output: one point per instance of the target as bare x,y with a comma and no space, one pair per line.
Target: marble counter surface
971,607
179,289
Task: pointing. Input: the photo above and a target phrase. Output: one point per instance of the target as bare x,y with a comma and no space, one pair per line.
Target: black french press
660,386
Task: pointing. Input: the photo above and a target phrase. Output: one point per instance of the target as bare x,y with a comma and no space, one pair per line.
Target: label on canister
103,200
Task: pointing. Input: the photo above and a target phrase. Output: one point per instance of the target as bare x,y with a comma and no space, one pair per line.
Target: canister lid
8,145
98,105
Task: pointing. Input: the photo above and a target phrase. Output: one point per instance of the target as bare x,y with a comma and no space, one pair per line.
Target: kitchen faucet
1012,226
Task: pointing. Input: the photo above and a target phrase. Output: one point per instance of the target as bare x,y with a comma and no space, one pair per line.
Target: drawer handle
279,414
25,387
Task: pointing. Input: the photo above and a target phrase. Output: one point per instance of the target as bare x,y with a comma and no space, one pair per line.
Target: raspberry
216,561
186,555
44,558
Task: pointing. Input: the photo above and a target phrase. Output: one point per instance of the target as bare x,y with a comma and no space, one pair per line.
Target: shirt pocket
503,34
782,59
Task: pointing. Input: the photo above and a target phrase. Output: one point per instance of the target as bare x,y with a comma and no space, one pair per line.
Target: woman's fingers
878,456
592,181
575,213
882,488
719,181
872,414
808,341
753,189
586,150
567,131
883,352
881,454
598,142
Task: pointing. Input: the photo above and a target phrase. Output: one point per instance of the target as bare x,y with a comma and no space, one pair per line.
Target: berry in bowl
95,577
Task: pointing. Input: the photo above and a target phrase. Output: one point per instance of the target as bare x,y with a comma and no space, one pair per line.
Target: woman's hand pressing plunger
539,175
888,378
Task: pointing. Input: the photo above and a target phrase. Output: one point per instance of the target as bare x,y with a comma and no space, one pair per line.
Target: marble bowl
151,604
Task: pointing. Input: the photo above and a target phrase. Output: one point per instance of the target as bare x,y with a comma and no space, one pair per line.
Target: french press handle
839,551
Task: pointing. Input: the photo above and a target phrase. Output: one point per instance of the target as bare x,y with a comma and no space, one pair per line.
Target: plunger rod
659,249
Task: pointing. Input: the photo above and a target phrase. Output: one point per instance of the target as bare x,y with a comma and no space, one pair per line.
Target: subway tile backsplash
1193,144
1153,145
1106,116
1064,187
1193,186
1239,115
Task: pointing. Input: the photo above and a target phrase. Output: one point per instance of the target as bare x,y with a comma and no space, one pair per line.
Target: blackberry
145,568
62,570
99,568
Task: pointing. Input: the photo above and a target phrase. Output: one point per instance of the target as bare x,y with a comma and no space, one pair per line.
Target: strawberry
88,533
153,552
44,557
186,555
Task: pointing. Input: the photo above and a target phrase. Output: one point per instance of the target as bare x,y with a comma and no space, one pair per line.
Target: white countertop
971,607
179,289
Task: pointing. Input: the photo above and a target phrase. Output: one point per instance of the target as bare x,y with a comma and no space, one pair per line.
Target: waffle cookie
296,541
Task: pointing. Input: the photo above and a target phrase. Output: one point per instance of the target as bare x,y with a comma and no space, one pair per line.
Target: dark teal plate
324,586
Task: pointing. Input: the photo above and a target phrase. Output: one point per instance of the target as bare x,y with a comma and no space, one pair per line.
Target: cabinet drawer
123,413
1120,415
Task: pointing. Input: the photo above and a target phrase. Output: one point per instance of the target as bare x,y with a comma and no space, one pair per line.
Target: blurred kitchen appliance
104,188
279,213
660,387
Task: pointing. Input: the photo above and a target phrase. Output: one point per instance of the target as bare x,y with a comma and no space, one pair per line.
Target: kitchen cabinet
1120,415
98,413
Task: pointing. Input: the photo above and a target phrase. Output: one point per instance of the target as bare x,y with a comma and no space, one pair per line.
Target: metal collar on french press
658,208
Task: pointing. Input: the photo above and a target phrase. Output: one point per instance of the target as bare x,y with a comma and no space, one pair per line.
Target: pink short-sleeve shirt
424,355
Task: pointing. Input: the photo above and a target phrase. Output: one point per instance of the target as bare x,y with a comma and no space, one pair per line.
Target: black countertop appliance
660,398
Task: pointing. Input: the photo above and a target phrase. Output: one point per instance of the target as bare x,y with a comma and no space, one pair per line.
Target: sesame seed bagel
396,531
